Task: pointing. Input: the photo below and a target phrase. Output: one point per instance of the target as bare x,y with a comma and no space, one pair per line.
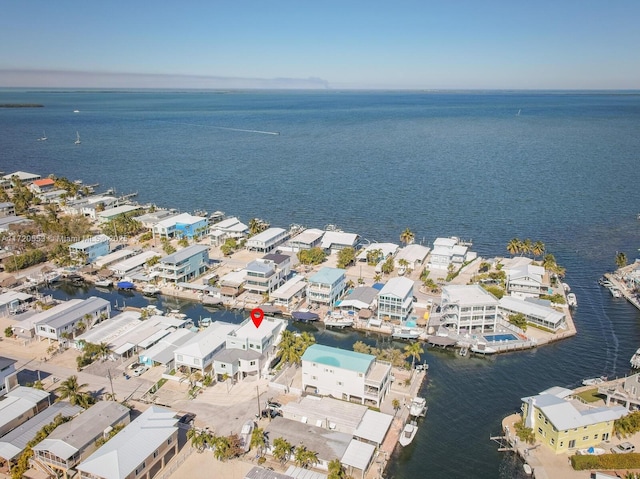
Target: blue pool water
500,337
411,323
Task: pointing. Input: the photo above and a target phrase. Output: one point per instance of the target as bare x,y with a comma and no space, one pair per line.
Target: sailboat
77,142
43,137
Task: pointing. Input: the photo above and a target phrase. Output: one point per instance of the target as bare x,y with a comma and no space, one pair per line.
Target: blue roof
339,358
327,275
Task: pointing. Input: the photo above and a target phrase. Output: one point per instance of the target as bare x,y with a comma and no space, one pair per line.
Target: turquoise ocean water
560,167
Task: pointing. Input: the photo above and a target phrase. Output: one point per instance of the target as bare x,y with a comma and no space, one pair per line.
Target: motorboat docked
572,301
337,320
605,282
592,451
418,407
104,283
527,469
615,292
408,433
482,348
410,334
566,287
635,360
205,322
305,316
150,290
175,313
52,277
153,310
594,381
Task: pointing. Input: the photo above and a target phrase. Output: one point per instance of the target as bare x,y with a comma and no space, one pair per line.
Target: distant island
21,105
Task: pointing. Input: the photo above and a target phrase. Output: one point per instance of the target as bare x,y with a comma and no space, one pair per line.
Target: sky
423,44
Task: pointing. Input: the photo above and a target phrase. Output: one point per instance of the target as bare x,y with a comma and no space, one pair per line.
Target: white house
229,228
149,220
132,264
7,208
307,239
326,286
345,375
469,308
395,299
111,213
42,186
527,281
448,251
267,273
64,318
7,368
198,352
385,249
336,240
25,177
89,206
144,446
533,311
290,293
414,254
182,225
362,297
268,240
90,249
19,405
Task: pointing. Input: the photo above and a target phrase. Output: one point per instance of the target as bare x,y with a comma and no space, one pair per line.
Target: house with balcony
141,450
25,177
307,239
88,250
248,349
449,251
183,225
534,311
232,283
326,286
183,265
346,375
334,241
266,274
290,293
150,219
230,228
74,441
7,369
625,391
198,352
89,206
395,299
527,281
469,309
61,321
268,240
565,424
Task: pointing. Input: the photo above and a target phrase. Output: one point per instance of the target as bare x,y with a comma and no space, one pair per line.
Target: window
179,357
605,436
155,453
585,438
561,443
170,440
339,383
539,415
140,468
314,377
252,363
540,430
572,443
595,436
552,441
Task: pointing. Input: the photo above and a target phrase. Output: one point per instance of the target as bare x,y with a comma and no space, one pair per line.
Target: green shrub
606,461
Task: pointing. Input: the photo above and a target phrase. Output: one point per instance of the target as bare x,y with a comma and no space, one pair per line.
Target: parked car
624,448
139,370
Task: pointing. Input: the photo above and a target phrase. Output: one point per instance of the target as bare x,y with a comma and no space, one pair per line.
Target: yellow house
565,424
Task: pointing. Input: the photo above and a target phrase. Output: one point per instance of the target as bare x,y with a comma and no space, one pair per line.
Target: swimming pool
411,323
500,337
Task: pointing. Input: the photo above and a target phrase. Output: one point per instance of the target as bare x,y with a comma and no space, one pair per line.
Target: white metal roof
399,287
90,242
358,454
373,426
112,257
307,237
162,352
412,253
183,218
133,262
530,308
266,236
468,294
386,248
126,450
289,289
332,238
207,341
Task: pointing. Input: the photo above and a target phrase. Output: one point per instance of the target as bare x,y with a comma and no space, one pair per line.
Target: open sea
559,167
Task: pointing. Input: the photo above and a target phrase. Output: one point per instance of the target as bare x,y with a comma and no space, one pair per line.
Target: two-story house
61,321
448,251
395,299
345,375
230,228
268,240
184,265
326,286
183,225
198,352
527,281
565,424
86,251
469,309
534,312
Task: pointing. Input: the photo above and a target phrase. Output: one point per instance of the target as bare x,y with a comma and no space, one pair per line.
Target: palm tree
292,347
304,457
336,470
282,449
222,446
200,439
70,389
407,236
538,248
258,440
377,278
396,405
192,376
103,350
621,259
513,247
526,246
414,350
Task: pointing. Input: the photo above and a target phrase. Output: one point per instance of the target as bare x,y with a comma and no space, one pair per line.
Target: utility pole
113,395
258,399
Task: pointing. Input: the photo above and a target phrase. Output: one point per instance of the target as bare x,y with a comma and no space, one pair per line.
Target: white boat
566,287
635,360
43,137
76,111
592,451
527,469
105,283
418,407
77,142
245,434
572,301
594,381
615,292
205,322
406,333
402,270
52,277
150,290
482,348
337,320
408,433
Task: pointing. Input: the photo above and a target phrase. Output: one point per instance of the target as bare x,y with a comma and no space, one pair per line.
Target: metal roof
339,358
358,455
184,254
373,426
126,450
58,318
98,239
327,275
398,287
6,362
162,352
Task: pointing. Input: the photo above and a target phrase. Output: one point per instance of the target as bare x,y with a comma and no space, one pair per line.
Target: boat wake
247,131
594,301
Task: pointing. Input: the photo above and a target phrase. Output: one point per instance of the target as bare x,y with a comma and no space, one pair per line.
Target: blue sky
481,44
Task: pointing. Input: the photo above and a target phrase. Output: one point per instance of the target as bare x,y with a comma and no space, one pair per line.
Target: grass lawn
590,395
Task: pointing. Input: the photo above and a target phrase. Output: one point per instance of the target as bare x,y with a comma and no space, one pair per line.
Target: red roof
44,182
